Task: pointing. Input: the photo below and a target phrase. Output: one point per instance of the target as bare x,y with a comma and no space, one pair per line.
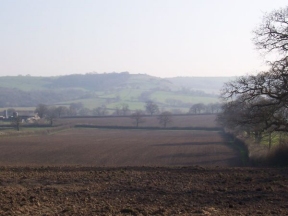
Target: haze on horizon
163,38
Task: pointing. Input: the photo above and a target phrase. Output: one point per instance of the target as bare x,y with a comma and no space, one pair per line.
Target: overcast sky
164,38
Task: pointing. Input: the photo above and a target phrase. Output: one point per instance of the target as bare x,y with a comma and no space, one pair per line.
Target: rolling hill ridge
109,89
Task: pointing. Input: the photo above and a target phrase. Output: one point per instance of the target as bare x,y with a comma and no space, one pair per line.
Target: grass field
163,96
25,83
131,97
19,109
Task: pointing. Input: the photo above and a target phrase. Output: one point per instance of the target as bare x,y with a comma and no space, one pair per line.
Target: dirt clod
142,191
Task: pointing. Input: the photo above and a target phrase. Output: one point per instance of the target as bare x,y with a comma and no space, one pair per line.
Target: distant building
5,114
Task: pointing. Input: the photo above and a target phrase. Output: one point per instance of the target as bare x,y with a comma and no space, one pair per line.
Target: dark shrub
278,156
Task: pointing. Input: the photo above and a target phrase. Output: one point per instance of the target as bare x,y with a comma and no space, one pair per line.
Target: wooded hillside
109,89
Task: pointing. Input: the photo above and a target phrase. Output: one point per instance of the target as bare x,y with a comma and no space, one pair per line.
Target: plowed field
98,147
149,121
134,172
143,191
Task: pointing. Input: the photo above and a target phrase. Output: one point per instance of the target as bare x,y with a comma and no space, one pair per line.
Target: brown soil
117,172
143,191
97,147
207,120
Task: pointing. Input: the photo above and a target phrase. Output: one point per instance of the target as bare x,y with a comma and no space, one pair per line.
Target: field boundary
44,130
241,146
148,128
129,116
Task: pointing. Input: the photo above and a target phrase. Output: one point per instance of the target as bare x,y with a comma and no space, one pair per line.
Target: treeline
256,106
199,108
50,113
150,108
17,98
92,81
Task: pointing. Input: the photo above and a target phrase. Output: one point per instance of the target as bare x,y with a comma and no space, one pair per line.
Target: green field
163,96
110,90
131,98
25,83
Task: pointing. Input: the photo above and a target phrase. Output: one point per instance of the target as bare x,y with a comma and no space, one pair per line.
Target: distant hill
206,84
110,90
108,81
89,82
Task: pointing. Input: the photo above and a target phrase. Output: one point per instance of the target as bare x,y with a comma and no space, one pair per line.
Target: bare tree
151,107
260,102
75,107
197,108
62,110
118,111
272,34
16,122
165,118
41,110
213,107
138,117
100,111
251,117
271,86
51,114
125,109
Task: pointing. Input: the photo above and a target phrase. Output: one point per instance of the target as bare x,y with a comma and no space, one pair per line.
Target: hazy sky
163,38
